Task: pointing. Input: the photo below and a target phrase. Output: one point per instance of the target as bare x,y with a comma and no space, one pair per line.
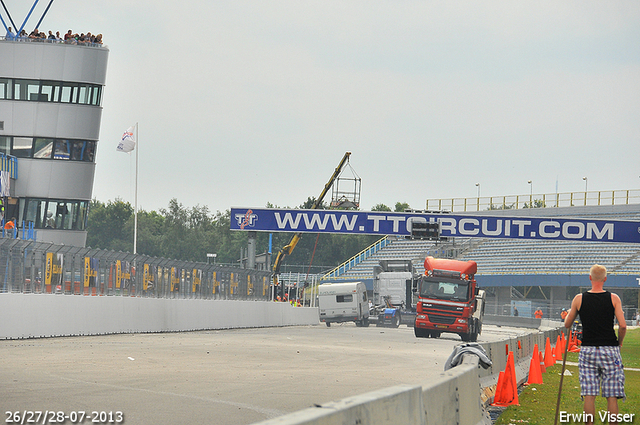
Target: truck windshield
444,289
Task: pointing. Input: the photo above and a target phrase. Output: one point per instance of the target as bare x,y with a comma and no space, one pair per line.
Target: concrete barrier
451,399
457,397
520,322
39,315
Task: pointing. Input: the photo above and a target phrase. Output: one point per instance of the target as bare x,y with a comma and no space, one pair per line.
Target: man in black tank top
600,365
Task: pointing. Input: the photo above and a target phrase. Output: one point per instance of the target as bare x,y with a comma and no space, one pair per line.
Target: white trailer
343,302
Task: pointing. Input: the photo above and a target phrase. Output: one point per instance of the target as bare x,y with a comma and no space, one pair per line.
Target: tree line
189,233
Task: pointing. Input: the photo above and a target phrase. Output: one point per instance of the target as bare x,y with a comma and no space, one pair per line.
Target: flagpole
135,202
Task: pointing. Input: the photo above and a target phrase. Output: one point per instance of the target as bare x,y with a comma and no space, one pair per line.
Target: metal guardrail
44,268
568,199
73,42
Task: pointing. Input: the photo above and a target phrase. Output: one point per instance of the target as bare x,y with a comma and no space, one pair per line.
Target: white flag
128,142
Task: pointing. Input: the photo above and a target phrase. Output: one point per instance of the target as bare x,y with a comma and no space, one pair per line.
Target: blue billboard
451,225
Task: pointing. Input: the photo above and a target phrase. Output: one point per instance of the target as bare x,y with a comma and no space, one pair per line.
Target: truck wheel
328,324
365,322
358,323
420,333
396,321
435,334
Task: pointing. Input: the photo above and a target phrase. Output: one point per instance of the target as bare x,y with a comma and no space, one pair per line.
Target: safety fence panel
44,268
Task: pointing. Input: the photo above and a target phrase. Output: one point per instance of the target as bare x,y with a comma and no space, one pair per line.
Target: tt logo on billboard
247,219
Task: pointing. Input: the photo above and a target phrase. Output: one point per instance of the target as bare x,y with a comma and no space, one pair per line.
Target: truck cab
449,300
343,302
394,285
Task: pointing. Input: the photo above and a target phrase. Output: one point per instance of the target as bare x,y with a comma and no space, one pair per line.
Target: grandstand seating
515,256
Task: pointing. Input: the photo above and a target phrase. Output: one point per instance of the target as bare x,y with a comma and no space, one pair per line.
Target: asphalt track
233,377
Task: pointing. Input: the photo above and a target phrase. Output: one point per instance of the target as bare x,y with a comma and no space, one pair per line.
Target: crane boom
288,249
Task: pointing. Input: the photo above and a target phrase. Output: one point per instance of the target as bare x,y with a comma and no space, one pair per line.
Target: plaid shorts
600,368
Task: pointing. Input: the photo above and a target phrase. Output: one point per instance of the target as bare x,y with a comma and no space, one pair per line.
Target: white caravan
343,302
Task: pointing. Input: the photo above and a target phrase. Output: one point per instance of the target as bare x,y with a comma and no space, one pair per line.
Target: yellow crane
288,249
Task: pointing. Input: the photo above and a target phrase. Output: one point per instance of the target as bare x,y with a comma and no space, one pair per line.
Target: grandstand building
526,273
50,111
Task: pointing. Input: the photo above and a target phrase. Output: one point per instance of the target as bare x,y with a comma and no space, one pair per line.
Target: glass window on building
49,219
77,150
96,95
29,213
81,220
89,152
43,148
83,95
33,91
22,147
60,213
61,149
5,88
71,219
5,145
20,89
49,91
65,94
53,214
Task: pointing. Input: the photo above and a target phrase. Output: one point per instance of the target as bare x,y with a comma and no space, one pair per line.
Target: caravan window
344,298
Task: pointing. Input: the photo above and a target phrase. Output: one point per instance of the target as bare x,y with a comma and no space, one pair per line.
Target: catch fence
34,267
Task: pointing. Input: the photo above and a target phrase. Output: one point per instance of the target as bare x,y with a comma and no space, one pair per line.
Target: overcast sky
240,103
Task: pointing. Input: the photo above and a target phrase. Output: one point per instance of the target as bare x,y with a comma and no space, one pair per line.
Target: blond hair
598,273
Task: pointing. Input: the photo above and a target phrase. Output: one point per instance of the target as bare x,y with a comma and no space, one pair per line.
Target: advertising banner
53,270
90,272
148,275
196,278
451,225
175,279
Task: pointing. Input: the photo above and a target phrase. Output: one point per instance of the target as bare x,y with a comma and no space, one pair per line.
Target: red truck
449,300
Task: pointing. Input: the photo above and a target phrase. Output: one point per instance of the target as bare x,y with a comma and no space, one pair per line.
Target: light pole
530,193
586,181
478,203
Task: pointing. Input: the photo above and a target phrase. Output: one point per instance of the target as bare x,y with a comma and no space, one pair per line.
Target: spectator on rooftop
10,35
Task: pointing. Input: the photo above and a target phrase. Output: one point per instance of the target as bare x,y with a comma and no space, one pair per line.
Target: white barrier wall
451,399
39,315
457,397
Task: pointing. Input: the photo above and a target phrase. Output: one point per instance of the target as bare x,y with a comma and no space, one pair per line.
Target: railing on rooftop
568,199
49,41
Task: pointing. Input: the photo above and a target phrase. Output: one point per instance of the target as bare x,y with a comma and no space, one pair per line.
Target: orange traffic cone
573,344
535,374
557,353
498,395
548,355
507,388
542,368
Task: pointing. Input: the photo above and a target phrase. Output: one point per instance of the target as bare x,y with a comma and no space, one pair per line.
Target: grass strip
538,402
